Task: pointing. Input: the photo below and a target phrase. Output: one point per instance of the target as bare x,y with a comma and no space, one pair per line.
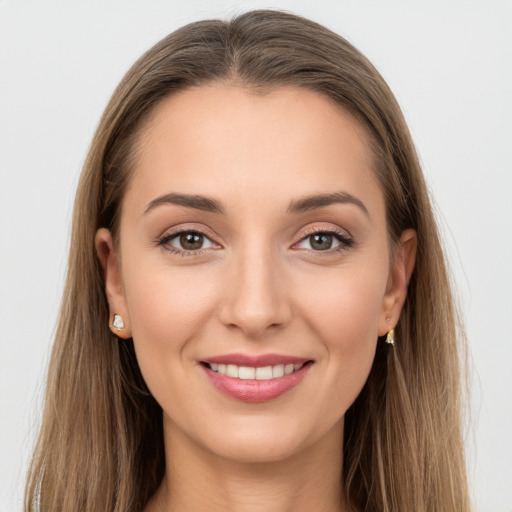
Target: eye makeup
194,242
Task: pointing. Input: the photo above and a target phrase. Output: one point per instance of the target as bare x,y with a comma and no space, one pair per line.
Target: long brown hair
101,442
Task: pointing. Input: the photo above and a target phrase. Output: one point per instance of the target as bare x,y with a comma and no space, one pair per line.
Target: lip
255,360
253,390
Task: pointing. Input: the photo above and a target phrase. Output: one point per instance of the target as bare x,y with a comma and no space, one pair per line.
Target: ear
399,277
113,282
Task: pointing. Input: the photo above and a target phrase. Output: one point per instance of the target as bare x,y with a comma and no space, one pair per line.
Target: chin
258,450
259,443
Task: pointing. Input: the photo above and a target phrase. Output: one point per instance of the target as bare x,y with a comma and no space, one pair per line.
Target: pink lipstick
251,378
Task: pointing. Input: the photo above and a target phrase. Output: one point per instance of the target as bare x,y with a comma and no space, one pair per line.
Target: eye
325,240
184,242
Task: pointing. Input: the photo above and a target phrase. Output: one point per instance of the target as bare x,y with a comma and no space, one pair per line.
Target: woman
257,313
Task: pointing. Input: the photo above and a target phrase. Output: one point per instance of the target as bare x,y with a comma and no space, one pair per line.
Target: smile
255,378
257,373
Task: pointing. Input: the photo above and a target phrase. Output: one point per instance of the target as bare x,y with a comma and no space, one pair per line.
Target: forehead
228,140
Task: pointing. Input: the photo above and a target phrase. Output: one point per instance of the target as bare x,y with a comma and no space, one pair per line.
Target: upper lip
255,360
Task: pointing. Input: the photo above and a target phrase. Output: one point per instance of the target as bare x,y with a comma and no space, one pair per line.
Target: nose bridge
257,298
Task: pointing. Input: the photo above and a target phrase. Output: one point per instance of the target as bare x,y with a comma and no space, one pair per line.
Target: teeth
277,370
264,373
245,372
232,370
259,373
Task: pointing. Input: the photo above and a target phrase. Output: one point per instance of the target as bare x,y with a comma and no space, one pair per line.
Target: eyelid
188,228
325,229
168,235
343,236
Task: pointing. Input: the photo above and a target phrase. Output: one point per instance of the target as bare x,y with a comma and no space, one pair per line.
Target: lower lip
252,390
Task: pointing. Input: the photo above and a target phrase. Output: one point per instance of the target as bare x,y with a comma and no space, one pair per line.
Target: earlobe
399,278
119,319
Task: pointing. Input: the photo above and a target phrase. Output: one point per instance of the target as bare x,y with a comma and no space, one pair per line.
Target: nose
255,296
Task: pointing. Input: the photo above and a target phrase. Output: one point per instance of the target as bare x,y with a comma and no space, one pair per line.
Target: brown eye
321,241
186,242
191,241
327,241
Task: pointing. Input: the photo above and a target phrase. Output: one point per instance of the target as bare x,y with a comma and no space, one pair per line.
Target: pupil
321,242
191,241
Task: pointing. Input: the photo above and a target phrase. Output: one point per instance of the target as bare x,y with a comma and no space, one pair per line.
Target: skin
259,285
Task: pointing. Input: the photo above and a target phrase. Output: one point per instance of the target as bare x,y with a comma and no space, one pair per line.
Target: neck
198,480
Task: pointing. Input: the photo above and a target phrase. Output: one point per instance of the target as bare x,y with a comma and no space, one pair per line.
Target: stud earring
118,323
390,338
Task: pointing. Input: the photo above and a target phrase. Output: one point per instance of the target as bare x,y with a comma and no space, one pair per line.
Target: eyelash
345,241
162,242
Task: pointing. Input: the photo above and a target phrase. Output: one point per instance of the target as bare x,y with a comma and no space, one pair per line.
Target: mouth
256,383
268,372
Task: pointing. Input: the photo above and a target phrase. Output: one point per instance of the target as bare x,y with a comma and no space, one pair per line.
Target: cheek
165,300
345,317
167,307
346,305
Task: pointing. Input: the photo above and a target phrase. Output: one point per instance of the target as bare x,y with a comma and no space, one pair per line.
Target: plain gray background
450,66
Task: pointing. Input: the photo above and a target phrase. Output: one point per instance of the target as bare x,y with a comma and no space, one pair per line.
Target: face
253,235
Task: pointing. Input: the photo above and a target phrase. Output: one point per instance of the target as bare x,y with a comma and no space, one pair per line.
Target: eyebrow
320,200
211,205
206,204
